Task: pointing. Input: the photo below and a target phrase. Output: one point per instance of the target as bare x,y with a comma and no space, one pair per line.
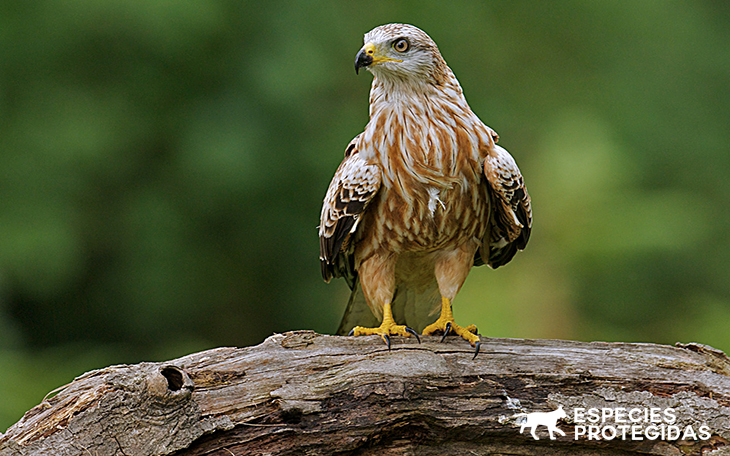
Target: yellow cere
369,48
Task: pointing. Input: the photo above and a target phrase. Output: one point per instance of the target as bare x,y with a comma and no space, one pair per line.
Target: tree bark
305,393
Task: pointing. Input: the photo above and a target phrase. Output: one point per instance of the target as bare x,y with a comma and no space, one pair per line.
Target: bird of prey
423,194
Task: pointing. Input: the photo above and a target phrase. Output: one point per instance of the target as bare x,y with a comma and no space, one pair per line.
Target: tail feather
357,312
416,307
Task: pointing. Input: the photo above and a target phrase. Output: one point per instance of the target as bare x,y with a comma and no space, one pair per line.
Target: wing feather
511,213
352,188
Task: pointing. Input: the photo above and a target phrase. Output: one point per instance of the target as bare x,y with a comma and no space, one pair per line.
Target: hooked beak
367,57
364,57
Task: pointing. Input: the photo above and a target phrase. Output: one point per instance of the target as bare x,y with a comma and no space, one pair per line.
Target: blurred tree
163,165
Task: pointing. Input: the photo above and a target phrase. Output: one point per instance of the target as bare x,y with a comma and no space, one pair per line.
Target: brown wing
511,214
351,190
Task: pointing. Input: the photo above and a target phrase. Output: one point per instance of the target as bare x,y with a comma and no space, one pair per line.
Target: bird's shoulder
353,186
511,221
354,183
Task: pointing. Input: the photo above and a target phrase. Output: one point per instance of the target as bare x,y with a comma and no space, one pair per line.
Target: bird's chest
432,193
419,217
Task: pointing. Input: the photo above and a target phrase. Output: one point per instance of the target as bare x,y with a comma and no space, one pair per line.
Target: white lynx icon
547,419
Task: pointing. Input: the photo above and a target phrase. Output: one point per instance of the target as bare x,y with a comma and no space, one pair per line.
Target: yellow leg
387,328
447,320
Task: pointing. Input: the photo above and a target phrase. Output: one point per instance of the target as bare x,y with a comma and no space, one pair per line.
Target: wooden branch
305,393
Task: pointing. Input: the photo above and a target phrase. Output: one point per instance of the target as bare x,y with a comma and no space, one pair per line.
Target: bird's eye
401,45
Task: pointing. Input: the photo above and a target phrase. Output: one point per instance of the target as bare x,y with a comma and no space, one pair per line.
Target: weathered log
305,393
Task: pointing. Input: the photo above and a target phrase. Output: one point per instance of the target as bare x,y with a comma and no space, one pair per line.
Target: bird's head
401,52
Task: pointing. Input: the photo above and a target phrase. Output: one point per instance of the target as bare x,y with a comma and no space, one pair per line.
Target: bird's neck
420,134
392,93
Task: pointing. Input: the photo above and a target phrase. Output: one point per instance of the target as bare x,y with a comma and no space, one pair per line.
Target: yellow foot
385,330
445,325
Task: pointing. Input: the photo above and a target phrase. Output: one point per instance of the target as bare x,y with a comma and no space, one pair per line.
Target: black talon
387,340
410,331
352,332
447,330
476,352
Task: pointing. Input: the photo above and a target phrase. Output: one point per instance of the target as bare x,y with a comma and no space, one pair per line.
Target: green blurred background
163,165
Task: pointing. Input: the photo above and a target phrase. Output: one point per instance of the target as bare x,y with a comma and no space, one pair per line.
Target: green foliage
163,166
